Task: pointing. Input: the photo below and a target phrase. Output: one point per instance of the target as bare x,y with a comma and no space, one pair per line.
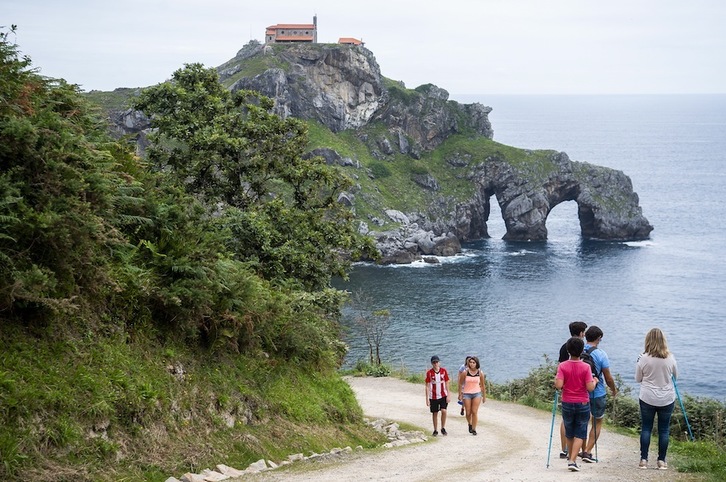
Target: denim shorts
471,395
597,407
575,416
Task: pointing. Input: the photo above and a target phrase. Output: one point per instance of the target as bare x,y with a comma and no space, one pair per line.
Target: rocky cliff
426,167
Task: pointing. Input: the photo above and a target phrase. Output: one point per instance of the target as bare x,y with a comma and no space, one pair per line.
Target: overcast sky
463,46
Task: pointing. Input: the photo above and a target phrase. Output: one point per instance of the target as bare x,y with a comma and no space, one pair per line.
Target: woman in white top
655,370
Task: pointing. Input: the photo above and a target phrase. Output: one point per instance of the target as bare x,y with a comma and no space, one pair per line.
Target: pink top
471,383
576,375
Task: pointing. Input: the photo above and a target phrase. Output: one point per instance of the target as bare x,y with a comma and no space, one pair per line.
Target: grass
104,408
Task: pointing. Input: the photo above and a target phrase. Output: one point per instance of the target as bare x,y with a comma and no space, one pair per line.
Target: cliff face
341,87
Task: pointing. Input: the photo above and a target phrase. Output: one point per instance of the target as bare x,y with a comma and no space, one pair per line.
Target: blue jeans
647,415
575,417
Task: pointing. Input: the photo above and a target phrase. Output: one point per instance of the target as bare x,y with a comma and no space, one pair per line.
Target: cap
434,358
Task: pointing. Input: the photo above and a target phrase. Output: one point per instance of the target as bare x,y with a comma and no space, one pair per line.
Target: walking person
574,378
462,369
655,369
593,337
472,391
437,394
577,329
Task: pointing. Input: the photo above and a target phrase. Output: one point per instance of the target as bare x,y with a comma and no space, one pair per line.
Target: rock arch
607,206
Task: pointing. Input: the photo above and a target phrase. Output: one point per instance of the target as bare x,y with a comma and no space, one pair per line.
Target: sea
510,303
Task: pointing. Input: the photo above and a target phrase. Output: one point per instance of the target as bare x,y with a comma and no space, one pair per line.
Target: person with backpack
655,370
462,369
575,380
600,366
577,329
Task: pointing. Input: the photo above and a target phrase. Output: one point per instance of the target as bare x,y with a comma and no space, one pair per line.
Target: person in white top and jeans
655,370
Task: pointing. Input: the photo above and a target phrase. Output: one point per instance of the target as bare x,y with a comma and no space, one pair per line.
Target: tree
247,164
61,193
373,324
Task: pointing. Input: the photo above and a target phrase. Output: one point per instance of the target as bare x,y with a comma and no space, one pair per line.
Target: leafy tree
235,154
61,192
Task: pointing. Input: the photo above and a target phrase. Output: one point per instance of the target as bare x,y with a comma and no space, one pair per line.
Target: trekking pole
594,429
554,410
683,409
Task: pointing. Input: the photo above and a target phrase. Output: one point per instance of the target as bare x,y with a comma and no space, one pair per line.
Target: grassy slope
90,407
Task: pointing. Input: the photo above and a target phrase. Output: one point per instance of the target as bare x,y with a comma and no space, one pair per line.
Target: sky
463,46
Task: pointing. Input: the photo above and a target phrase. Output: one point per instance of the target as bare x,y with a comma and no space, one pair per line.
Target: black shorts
438,404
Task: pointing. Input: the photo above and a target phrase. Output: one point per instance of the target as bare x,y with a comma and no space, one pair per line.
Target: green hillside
145,333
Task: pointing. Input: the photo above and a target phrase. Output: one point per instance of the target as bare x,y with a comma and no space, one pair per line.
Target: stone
213,476
258,466
230,471
190,477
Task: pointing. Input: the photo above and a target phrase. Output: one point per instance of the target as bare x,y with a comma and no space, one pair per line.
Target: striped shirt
436,383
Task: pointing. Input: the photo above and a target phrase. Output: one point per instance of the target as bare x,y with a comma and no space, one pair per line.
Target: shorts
438,404
575,417
471,395
597,407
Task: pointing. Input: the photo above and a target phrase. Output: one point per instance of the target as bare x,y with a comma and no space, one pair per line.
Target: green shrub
372,369
379,170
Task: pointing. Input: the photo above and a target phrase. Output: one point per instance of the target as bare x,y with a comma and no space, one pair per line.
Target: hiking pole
554,410
683,409
594,429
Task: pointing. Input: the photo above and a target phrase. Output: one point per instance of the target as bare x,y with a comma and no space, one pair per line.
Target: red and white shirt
436,383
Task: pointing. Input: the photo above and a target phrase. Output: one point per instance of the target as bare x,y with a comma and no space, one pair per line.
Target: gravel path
511,446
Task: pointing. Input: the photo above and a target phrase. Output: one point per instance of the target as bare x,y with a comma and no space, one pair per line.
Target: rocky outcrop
608,207
341,87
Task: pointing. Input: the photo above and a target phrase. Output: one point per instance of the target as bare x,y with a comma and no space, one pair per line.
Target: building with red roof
350,41
293,32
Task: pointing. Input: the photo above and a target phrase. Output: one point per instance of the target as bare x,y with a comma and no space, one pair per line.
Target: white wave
521,252
639,244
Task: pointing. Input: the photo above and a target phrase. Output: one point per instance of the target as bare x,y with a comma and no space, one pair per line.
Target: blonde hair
656,344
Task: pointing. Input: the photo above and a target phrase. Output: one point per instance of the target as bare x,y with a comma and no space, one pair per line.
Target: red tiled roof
308,26
349,40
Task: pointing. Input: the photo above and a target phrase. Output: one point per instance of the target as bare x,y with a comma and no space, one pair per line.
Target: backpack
587,358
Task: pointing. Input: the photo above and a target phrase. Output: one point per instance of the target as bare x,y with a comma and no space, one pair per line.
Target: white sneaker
662,465
643,464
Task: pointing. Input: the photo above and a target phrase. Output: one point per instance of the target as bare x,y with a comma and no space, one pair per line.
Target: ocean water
510,303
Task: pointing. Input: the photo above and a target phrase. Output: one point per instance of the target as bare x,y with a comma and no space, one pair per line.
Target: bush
380,170
372,369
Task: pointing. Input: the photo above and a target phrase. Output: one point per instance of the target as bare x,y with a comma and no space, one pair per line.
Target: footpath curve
511,445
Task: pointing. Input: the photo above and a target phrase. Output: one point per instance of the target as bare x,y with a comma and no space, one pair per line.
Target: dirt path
511,445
